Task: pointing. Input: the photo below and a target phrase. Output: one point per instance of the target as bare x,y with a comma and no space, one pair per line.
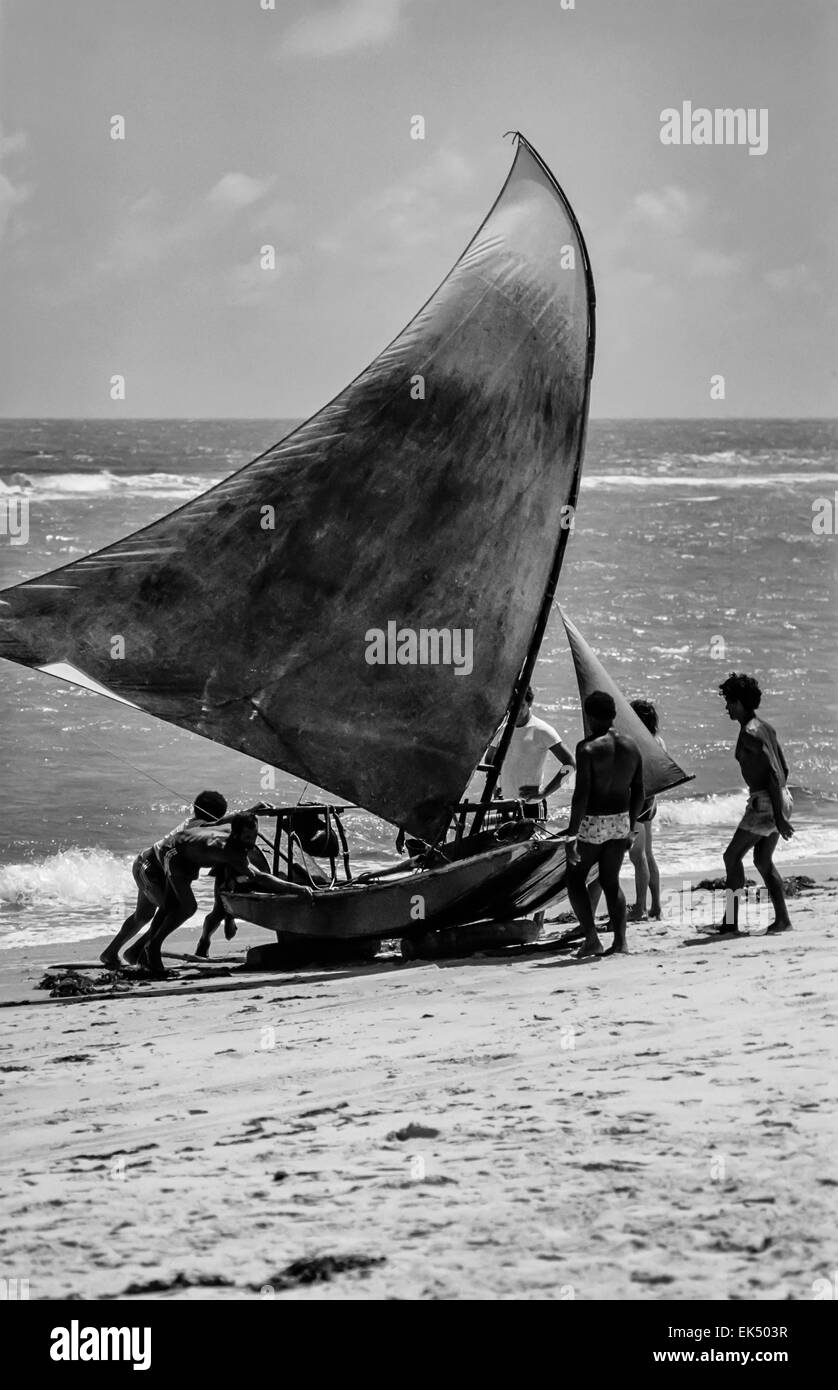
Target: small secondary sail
660,771
425,501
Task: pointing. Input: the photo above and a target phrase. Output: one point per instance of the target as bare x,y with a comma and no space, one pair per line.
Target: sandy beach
518,1126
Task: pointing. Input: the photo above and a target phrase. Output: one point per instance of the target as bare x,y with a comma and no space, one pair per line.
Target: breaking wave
714,809
726,808
695,480
71,878
44,487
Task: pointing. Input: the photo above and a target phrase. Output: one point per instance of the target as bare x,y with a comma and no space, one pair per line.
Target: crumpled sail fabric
427,495
660,771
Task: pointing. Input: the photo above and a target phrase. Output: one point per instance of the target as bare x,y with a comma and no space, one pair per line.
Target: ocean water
693,555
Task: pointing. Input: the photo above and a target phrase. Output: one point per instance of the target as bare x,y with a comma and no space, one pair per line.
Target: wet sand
659,1126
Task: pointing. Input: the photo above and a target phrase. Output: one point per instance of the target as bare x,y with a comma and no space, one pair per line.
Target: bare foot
589,950
152,967
775,927
202,949
656,913
636,914
618,949
110,960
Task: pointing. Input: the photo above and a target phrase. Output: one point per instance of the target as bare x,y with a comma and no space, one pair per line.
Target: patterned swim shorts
759,813
598,830
149,877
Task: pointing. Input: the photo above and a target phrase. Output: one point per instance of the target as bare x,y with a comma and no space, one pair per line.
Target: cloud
668,211
148,234
248,285
12,144
713,265
342,27
415,211
11,194
786,279
238,191
10,198
664,233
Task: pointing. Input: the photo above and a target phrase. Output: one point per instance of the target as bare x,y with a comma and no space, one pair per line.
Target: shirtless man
766,817
150,879
196,848
255,877
603,815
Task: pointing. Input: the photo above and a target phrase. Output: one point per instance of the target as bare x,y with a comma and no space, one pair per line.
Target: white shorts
598,830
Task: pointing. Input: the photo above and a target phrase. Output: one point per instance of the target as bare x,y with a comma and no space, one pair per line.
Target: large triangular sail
660,771
426,498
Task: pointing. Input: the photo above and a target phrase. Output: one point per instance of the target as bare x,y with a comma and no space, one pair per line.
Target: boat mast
525,674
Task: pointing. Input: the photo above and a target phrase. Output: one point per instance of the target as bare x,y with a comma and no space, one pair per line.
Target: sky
247,126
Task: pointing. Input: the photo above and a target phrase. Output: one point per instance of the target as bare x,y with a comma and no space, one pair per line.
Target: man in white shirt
532,741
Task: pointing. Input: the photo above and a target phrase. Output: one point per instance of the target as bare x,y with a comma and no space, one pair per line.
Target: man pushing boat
150,877
606,802
226,852
254,877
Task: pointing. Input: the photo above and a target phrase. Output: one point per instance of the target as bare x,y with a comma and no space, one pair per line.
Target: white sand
657,1126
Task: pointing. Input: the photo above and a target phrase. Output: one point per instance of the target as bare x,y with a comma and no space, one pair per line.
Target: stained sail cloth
660,771
428,494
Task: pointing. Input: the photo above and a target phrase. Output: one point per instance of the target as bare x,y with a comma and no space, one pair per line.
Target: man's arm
268,883
780,821
566,759
763,742
781,757
637,794
258,859
582,790
784,826
579,804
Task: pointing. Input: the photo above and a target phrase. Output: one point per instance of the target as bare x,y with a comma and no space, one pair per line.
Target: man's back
613,761
198,845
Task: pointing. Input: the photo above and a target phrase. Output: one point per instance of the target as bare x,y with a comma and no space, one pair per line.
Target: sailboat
432,497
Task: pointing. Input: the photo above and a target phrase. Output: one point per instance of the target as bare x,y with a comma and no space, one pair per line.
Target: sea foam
696,480
72,877
45,487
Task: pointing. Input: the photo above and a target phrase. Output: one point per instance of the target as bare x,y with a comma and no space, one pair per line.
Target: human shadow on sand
720,938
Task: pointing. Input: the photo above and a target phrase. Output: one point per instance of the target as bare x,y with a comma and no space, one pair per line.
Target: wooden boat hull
504,881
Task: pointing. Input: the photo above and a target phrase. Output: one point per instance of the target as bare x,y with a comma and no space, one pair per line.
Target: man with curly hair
766,817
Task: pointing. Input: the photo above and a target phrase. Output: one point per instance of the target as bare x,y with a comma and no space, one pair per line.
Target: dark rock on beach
715,885
797,884
67,982
318,1269
793,886
413,1131
178,1281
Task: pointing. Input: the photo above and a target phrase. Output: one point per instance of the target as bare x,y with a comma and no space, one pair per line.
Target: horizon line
639,419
